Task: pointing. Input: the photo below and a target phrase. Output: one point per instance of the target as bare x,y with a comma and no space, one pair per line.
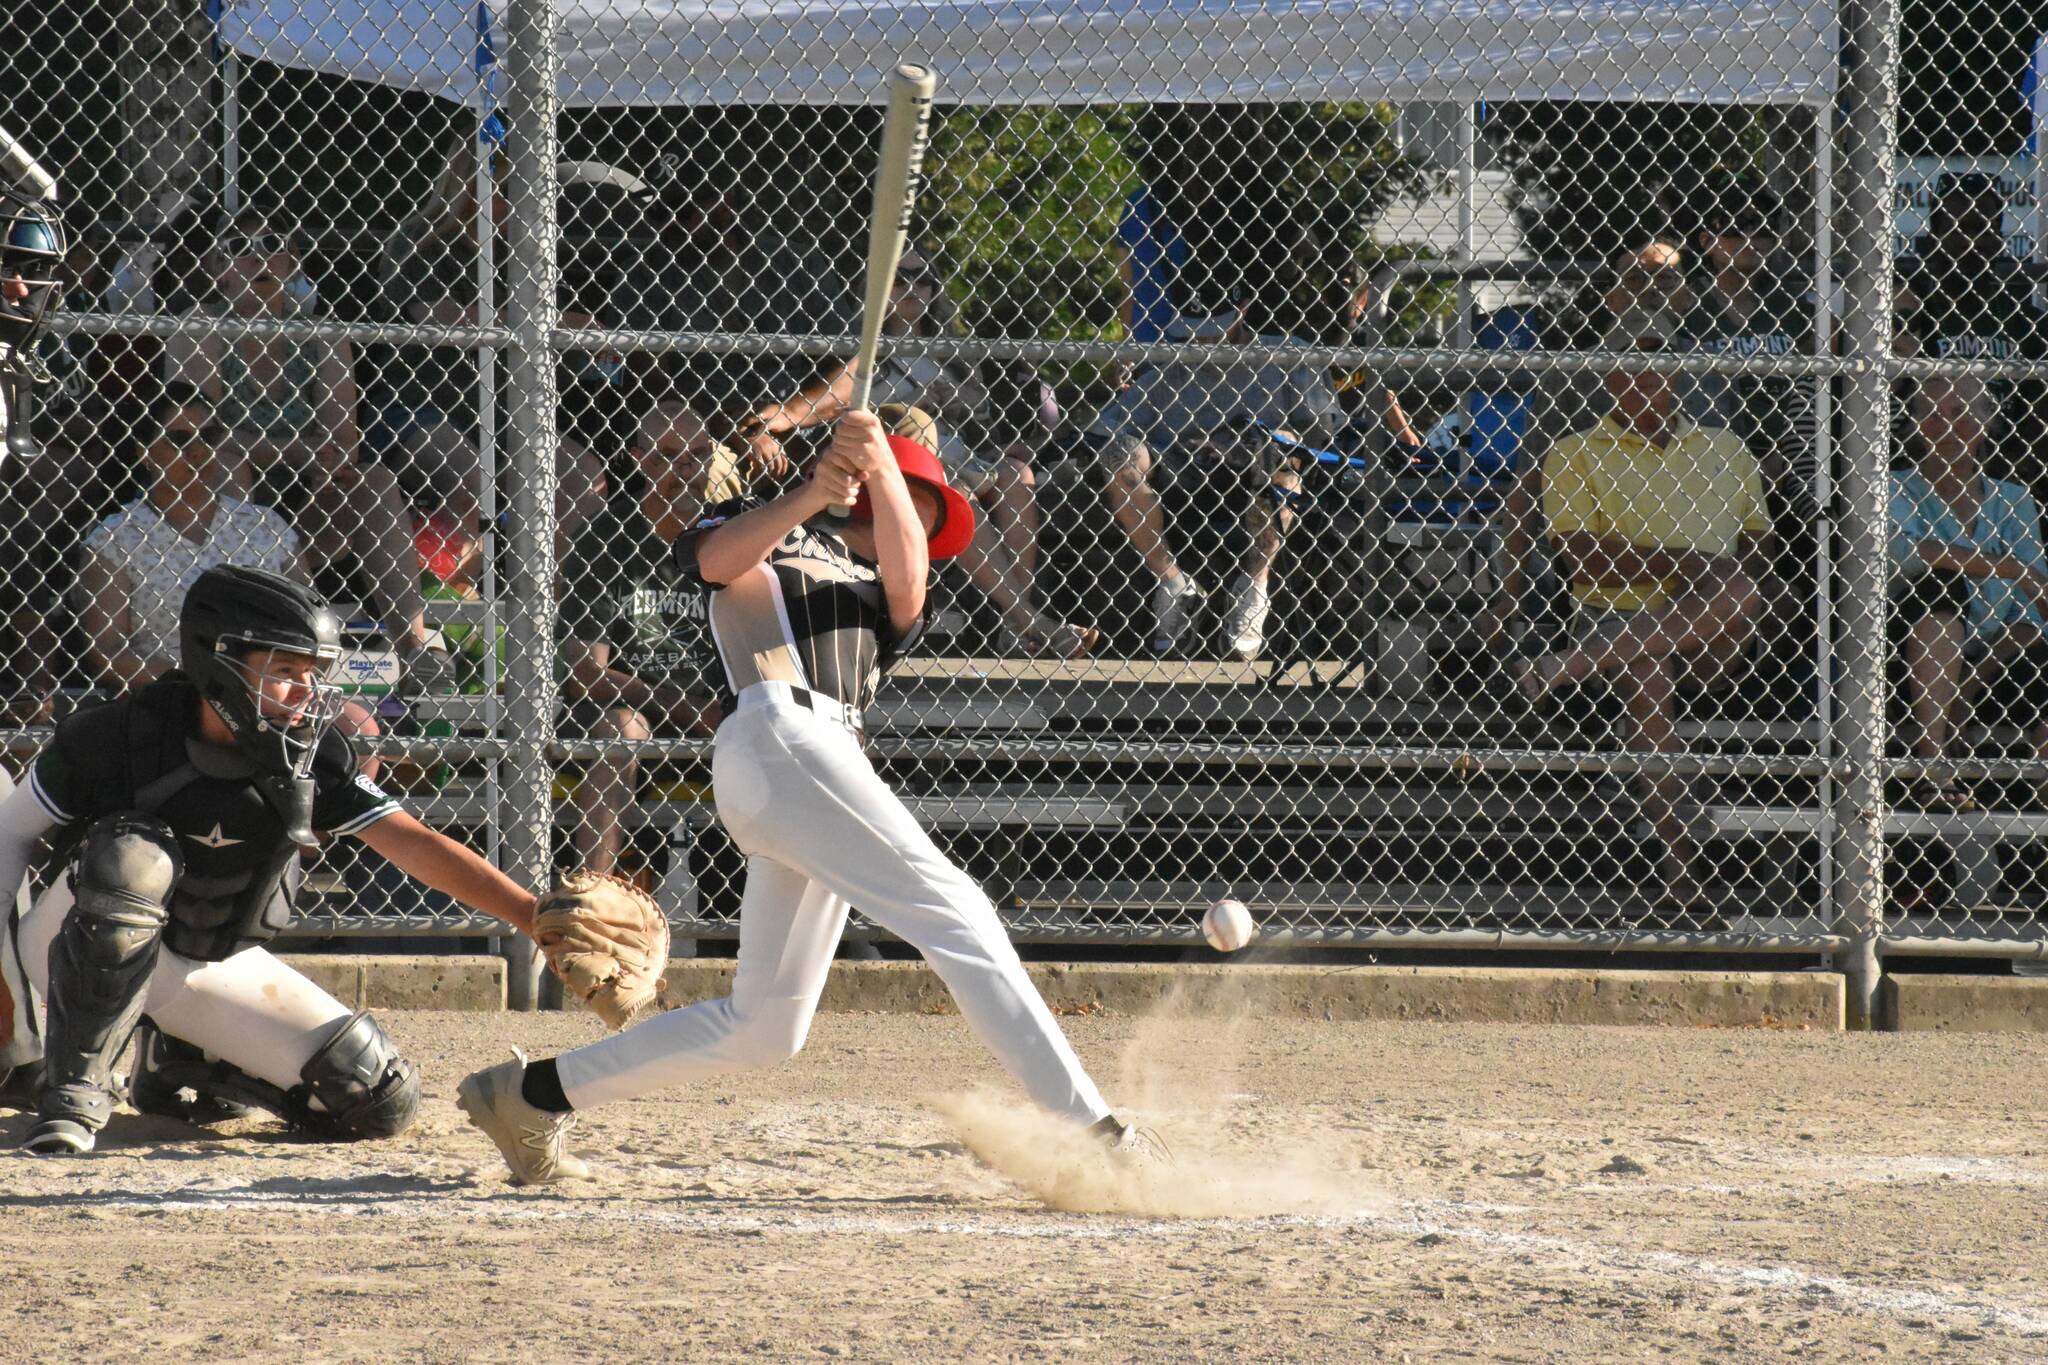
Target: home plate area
1339,1191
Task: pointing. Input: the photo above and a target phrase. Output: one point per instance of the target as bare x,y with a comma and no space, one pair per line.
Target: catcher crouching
177,814
805,611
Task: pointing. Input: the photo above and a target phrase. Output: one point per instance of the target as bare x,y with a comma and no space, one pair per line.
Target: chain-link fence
1552,475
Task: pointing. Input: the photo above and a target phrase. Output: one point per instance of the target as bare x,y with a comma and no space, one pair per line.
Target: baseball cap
902,419
1976,186
1742,212
1641,329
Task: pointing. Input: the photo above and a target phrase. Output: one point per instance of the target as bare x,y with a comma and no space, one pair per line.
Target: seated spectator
425,402
1360,391
138,564
1964,296
1002,561
288,413
1757,300
1970,589
1658,525
633,629
1649,278
1307,406
1126,458
1200,411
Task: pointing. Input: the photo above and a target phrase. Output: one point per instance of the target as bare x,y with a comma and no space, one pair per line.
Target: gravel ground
1342,1191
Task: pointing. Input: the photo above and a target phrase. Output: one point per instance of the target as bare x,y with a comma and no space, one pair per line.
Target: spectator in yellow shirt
1659,525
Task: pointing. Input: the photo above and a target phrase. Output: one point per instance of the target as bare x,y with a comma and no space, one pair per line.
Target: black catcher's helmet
232,612
31,268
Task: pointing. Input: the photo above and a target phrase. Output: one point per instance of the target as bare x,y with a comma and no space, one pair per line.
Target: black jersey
1774,415
813,614
1979,311
143,752
621,588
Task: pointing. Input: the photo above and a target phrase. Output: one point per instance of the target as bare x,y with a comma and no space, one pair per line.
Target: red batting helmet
956,513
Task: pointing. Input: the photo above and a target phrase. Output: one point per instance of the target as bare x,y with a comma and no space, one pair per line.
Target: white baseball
1228,926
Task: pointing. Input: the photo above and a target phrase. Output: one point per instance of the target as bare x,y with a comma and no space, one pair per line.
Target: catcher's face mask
291,705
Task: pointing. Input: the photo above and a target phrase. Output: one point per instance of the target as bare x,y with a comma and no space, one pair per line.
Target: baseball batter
177,813
805,613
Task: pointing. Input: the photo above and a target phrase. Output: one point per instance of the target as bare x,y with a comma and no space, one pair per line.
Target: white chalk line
1949,1302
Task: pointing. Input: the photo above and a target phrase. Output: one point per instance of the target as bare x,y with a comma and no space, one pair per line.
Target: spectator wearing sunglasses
1660,526
139,562
287,407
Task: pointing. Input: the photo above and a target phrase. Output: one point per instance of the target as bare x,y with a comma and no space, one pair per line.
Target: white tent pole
1468,208
487,455
2041,150
230,129
1824,477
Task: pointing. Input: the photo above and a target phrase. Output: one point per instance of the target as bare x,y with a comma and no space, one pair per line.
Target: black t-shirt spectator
1773,415
621,588
1974,311
1987,310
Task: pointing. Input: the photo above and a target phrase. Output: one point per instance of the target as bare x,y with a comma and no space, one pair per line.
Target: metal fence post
1870,53
527,814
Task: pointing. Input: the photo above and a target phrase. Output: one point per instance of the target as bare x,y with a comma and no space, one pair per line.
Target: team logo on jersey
214,838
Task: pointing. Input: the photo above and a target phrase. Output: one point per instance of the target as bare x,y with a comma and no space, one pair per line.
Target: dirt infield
1345,1191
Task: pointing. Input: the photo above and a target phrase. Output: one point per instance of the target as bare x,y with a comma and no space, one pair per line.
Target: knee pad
101,960
125,870
363,1088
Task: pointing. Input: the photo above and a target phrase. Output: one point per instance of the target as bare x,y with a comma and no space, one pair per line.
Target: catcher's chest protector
241,873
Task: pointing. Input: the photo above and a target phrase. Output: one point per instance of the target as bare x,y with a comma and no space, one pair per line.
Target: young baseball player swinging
806,610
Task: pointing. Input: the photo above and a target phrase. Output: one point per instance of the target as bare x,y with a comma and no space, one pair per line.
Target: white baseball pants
250,1010
821,831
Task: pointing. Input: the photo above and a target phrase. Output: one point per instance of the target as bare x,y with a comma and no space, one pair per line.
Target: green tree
1024,203
1022,209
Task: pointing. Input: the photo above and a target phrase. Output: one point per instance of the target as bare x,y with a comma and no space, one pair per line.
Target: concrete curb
1795,1000
398,982
1520,995
1964,1004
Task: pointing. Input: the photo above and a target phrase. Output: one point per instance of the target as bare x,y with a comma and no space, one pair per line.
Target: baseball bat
905,132
23,171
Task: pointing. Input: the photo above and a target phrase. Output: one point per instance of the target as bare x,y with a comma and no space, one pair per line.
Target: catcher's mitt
608,942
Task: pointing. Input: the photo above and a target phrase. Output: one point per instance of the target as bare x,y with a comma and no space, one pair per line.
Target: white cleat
1244,629
1131,1146
1175,604
534,1142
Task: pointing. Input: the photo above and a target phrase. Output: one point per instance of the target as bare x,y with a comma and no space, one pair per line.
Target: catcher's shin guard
168,1070
100,963
356,1086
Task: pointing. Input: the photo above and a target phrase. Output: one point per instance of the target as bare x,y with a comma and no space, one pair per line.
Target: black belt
830,708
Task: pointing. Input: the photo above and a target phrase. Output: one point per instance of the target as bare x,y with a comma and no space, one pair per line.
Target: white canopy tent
665,52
